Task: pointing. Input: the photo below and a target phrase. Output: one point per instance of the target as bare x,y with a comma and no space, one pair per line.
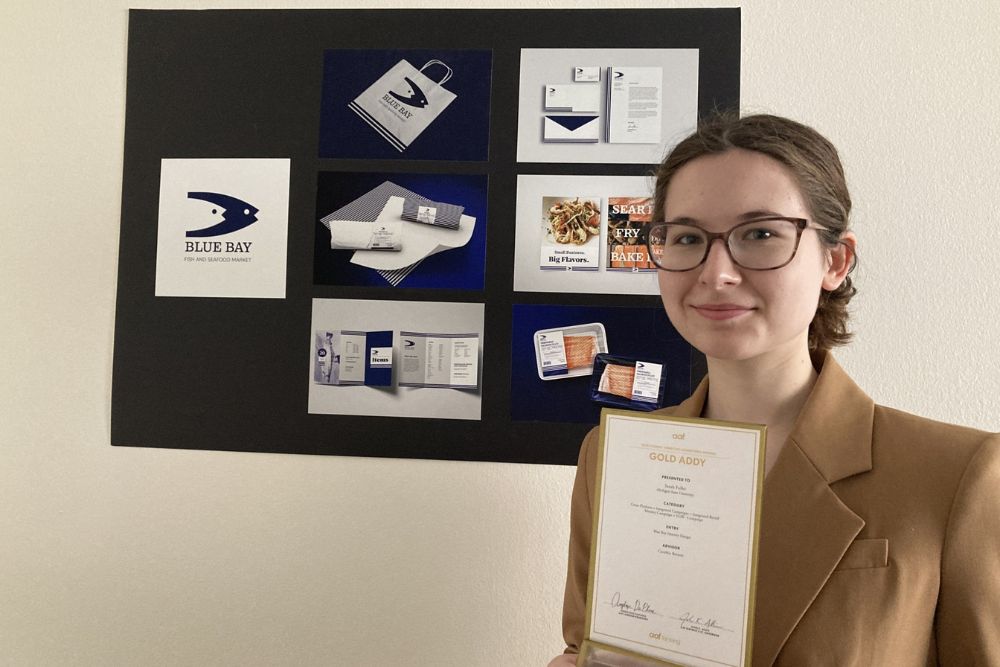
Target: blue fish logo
236,214
416,97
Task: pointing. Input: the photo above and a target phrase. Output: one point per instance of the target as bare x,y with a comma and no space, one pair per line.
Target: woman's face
726,311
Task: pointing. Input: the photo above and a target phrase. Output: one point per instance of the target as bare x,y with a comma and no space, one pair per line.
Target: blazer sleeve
968,612
580,526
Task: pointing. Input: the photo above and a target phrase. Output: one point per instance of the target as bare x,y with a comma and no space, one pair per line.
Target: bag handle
437,62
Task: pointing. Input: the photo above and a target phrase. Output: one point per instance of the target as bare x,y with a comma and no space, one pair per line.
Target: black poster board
233,373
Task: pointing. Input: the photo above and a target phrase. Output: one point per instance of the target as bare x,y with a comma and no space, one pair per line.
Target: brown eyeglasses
763,244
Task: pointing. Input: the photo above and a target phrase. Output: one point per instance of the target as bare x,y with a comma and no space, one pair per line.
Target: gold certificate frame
674,550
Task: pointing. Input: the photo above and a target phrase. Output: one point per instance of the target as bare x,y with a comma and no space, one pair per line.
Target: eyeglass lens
759,244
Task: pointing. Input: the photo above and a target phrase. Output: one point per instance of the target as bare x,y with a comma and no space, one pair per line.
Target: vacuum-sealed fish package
567,352
628,382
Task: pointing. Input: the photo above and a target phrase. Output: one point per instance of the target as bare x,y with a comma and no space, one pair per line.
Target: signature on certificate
632,607
705,625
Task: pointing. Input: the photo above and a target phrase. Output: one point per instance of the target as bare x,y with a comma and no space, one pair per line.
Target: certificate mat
674,549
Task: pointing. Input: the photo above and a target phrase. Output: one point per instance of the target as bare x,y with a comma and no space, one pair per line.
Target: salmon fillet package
627,382
568,352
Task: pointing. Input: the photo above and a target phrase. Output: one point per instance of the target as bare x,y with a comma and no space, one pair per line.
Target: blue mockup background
460,268
460,132
637,332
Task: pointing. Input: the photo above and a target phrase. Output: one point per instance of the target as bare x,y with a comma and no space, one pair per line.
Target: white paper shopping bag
404,101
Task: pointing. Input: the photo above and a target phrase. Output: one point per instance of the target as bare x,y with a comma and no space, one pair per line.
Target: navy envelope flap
572,122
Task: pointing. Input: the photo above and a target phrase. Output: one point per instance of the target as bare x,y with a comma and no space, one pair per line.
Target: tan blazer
879,542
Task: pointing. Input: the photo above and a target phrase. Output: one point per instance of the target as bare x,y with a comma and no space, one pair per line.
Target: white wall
141,557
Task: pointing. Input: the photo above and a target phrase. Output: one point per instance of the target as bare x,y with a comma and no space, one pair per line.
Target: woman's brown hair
814,163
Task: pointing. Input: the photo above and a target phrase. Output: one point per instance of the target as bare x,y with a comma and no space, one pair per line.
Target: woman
880,530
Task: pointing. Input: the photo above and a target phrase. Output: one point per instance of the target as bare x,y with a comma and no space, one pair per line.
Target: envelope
572,97
571,129
419,240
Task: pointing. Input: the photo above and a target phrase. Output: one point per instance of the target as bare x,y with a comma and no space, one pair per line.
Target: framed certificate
674,550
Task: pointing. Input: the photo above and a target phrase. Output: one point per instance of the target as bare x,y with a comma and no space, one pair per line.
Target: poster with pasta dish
582,234
571,228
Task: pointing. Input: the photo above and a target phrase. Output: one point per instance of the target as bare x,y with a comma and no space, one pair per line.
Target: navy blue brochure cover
378,359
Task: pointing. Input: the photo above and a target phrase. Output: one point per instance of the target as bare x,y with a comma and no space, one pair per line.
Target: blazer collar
834,429
805,528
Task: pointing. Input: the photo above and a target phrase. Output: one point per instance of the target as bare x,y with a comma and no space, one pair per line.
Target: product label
552,353
385,237
646,386
380,357
426,214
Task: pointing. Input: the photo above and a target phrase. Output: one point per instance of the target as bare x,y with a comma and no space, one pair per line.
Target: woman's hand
564,660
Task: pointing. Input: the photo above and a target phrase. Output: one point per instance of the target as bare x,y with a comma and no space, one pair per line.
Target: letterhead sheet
635,106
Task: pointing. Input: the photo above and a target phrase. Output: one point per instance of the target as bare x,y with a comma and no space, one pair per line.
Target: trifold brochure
353,358
445,360
635,105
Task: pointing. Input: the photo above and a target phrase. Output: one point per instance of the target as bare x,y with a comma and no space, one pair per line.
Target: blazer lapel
805,528
804,531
